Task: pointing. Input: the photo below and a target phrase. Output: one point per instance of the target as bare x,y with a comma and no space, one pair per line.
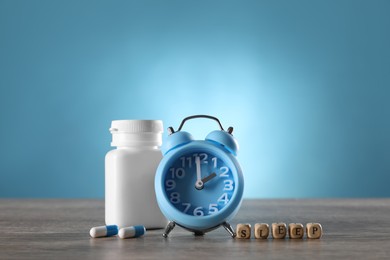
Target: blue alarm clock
199,183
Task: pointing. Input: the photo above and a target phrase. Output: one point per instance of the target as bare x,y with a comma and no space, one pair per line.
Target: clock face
199,184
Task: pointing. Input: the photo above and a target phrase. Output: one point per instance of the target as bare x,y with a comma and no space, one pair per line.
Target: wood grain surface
59,229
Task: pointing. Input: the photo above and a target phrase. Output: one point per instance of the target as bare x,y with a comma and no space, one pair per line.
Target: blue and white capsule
104,231
130,232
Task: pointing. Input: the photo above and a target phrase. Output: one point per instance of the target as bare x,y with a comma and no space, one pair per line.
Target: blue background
306,84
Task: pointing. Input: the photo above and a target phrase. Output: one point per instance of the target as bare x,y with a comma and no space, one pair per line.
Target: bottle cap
136,132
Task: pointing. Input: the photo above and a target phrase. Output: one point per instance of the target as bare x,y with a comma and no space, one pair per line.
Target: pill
104,231
133,231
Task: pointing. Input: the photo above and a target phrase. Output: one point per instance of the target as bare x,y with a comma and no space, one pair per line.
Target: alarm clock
199,183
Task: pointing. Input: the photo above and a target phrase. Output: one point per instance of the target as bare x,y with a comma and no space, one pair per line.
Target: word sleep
279,231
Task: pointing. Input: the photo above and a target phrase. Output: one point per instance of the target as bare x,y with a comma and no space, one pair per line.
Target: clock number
187,205
228,185
198,211
203,158
195,155
175,197
183,161
213,208
214,159
178,173
170,184
224,198
224,171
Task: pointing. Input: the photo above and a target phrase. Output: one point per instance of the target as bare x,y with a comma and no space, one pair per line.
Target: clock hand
199,182
208,178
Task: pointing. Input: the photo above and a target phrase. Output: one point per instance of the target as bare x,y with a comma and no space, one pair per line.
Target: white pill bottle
129,174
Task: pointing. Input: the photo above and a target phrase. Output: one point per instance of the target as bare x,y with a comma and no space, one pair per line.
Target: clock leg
171,225
198,233
229,229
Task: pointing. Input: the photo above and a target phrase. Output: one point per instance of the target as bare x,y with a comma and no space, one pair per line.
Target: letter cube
295,230
243,231
279,230
313,230
261,230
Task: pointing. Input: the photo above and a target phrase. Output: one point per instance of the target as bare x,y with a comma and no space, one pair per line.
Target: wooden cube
261,230
295,230
243,231
279,230
314,230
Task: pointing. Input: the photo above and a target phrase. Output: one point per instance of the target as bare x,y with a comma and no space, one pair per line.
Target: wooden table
59,229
